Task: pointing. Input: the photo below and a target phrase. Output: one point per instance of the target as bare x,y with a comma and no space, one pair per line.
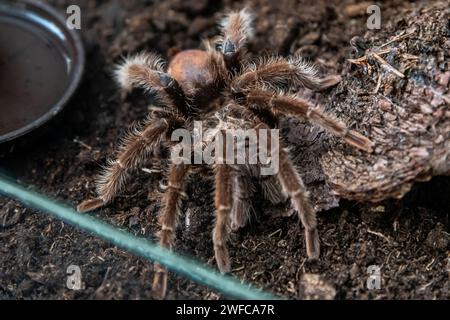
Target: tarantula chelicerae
220,87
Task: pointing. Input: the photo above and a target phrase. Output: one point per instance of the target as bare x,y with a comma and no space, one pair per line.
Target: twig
378,84
238,269
379,235
397,38
274,233
82,144
387,66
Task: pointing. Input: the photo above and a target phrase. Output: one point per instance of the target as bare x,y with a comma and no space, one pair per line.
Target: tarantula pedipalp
219,82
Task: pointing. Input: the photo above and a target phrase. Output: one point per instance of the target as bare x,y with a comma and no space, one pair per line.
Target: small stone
282,243
313,287
437,238
385,105
389,117
444,79
426,109
133,221
378,209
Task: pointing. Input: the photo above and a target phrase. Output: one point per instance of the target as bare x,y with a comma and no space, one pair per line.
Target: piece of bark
407,118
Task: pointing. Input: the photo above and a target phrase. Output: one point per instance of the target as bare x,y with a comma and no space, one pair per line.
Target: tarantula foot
330,81
236,225
312,244
222,259
90,204
159,287
238,221
359,141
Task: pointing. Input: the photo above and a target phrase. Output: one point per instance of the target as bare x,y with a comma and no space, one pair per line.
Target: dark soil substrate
408,239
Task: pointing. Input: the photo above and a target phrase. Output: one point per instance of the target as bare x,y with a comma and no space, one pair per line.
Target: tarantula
220,86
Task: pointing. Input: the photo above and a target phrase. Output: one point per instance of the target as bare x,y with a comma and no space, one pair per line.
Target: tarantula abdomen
190,69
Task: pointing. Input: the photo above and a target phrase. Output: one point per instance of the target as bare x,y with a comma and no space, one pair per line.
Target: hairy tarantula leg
278,72
223,203
294,187
168,223
295,106
135,149
243,189
146,70
272,190
236,30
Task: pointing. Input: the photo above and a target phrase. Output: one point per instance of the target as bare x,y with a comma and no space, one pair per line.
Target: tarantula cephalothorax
204,85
